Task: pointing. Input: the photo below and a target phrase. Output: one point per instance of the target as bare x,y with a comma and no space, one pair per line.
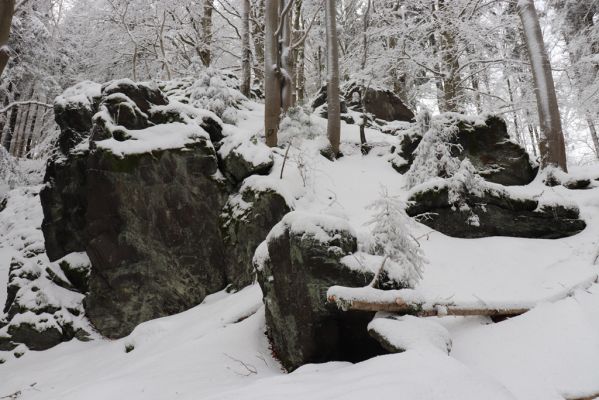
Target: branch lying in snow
409,301
589,397
25,103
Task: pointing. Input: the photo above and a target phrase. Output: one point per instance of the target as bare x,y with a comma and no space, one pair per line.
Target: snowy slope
218,349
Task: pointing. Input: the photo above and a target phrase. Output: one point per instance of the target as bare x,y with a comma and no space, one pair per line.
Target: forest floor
218,350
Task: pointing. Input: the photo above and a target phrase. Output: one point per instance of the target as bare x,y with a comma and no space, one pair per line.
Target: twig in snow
249,367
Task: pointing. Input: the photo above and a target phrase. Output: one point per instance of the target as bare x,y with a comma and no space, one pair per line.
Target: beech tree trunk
7,9
333,104
246,52
272,83
551,141
206,52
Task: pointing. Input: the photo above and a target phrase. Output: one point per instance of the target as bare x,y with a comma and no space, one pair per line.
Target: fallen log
589,397
411,302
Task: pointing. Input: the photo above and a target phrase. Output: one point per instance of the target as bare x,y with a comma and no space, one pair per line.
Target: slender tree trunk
7,9
551,144
17,131
246,52
449,58
516,125
333,104
165,62
206,52
258,35
365,35
301,74
285,56
272,83
298,52
593,132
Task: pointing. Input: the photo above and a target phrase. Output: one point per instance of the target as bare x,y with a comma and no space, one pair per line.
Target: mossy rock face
245,226
493,214
294,278
154,239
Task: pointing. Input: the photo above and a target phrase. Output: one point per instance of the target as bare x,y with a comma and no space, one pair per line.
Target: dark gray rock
296,266
496,158
64,204
488,147
154,236
151,223
381,103
496,213
236,167
247,219
73,112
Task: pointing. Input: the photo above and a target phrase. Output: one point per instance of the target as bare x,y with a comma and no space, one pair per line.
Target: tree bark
258,35
7,9
272,83
333,104
246,52
285,57
206,52
451,66
551,143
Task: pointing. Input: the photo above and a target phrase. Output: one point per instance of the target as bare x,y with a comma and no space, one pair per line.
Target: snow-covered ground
218,350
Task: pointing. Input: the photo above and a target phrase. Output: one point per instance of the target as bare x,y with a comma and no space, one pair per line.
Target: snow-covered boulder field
193,262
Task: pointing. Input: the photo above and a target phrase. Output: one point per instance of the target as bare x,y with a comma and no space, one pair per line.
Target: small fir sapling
433,155
465,181
393,241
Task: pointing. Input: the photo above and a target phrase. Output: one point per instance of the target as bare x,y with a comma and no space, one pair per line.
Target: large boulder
153,212
487,145
153,235
380,103
491,212
298,262
247,218
143,194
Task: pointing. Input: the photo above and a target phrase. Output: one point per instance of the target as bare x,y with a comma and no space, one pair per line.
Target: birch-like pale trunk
272,83
551,141
246,67
333,104
7,9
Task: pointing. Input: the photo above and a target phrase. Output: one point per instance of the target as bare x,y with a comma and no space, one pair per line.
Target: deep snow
218,350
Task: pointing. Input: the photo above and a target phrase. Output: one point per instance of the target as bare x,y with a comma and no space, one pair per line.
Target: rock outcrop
487,146
142,192
381,104
296,265
492,212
